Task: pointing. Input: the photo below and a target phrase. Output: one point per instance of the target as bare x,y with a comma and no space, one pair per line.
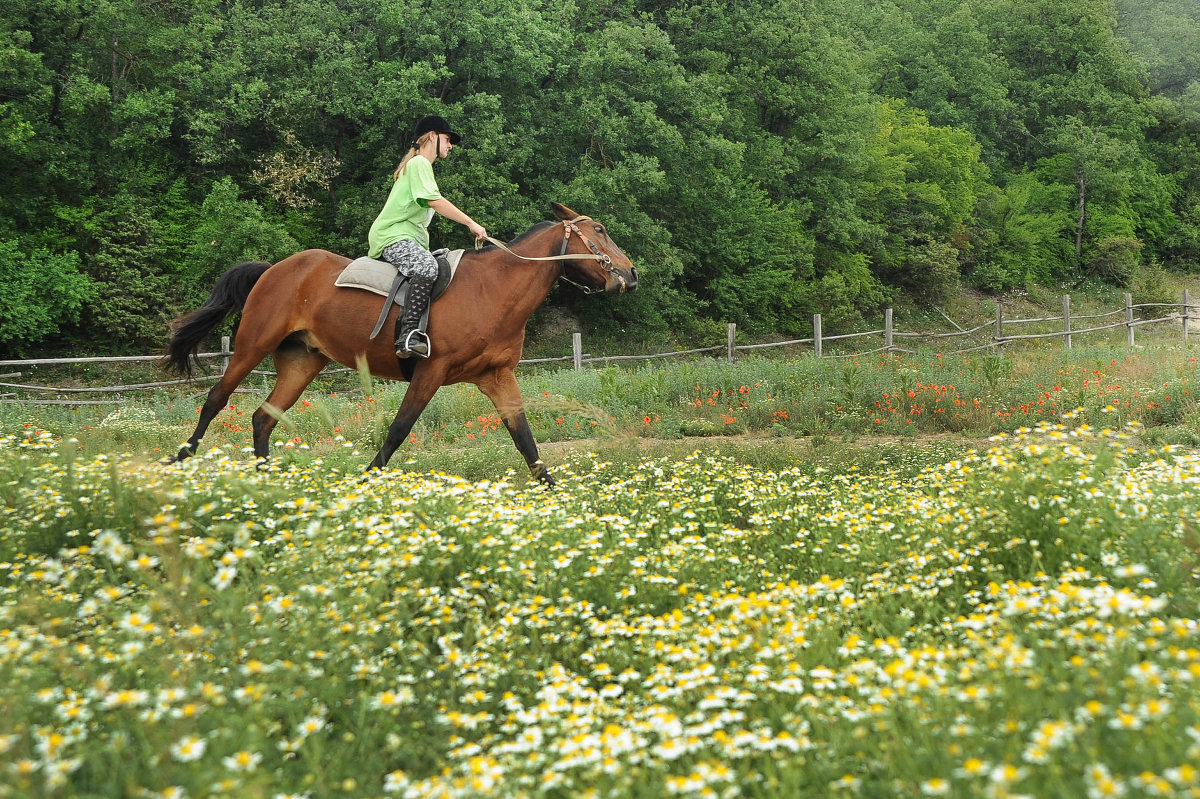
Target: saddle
380,277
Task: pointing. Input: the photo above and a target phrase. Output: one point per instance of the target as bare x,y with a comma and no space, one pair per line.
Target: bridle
571,227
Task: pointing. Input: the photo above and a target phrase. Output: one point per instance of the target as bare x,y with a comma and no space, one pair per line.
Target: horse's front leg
502,389
420,391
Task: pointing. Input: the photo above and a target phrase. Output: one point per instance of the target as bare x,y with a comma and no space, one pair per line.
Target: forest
759,160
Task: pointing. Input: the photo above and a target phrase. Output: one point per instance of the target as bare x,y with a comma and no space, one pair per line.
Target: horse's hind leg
295,367
502,389
240,365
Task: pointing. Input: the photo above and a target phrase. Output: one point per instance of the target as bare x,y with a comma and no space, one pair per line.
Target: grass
884,576
742,620
820,400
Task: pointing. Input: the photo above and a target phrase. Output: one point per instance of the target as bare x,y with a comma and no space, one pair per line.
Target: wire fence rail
993,335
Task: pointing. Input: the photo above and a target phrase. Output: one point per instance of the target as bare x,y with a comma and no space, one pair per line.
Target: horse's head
606,268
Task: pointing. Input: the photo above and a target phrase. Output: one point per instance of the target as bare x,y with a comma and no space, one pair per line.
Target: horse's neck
538,242
529,280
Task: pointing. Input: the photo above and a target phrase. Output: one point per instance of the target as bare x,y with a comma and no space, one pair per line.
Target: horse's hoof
541,473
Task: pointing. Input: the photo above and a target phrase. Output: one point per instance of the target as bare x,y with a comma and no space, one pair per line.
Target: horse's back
312,261
288,294
298,278
296,299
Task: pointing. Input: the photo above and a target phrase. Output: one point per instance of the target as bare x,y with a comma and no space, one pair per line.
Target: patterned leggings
411,259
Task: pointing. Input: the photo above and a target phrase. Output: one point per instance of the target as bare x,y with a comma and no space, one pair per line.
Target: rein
570,227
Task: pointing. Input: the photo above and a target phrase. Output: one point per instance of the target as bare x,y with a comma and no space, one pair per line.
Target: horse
293,311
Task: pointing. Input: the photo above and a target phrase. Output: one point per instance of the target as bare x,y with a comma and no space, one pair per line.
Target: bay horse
292,311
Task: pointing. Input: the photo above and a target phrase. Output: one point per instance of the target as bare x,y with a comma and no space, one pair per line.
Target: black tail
189,330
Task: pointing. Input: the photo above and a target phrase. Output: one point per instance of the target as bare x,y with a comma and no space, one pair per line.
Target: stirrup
410,348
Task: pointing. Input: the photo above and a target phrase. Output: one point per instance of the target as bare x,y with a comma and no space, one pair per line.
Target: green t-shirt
406,214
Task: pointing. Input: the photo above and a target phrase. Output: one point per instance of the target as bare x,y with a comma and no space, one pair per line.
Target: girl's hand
479,231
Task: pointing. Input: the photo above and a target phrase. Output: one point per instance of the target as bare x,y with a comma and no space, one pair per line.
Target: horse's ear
563,212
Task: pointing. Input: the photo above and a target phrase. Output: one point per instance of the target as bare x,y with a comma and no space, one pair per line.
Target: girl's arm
452,212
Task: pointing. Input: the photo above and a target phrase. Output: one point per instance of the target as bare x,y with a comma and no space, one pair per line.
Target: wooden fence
994,335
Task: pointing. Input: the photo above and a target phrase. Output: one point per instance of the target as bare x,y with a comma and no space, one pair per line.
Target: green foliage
847,290
760,161
1166,37
1026,235
127,267
766,284
930,180
24,80
1152,285
39,291
230,230
1116,259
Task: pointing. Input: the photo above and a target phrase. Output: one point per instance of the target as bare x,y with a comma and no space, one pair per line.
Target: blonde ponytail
415,150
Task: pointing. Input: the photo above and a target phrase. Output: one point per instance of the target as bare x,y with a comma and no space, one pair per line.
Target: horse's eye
600,229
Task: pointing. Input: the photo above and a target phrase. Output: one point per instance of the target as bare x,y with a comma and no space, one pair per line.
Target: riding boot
411,340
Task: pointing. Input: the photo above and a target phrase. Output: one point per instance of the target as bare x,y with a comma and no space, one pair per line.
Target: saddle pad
377,276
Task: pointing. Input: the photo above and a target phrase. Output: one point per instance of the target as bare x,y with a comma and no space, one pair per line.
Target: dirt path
751,441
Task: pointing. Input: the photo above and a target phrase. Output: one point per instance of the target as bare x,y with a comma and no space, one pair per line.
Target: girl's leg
414,261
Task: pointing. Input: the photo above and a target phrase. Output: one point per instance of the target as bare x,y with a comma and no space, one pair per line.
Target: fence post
732,339
225,353
817,334
1187,303
887,331
1067,319
999,327
577,350
1129,319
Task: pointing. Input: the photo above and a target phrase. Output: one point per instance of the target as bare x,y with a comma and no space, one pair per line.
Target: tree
26,93
1022,238
928,181
1096,164
793,117
760,159
1166,36
39,292
936,55
228,231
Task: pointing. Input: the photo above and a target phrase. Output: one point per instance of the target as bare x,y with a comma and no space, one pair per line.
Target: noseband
571,227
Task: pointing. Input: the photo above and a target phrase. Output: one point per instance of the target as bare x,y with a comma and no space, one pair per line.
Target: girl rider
400,234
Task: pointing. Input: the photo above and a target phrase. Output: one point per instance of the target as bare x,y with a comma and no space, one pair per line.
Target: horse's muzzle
622,281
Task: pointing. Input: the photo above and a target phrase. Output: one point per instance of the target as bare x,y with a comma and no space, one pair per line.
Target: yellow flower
935,787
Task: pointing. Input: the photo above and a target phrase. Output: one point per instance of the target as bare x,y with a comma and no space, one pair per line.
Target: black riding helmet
435,124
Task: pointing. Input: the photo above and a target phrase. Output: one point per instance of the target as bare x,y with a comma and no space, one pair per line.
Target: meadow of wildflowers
1017,619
